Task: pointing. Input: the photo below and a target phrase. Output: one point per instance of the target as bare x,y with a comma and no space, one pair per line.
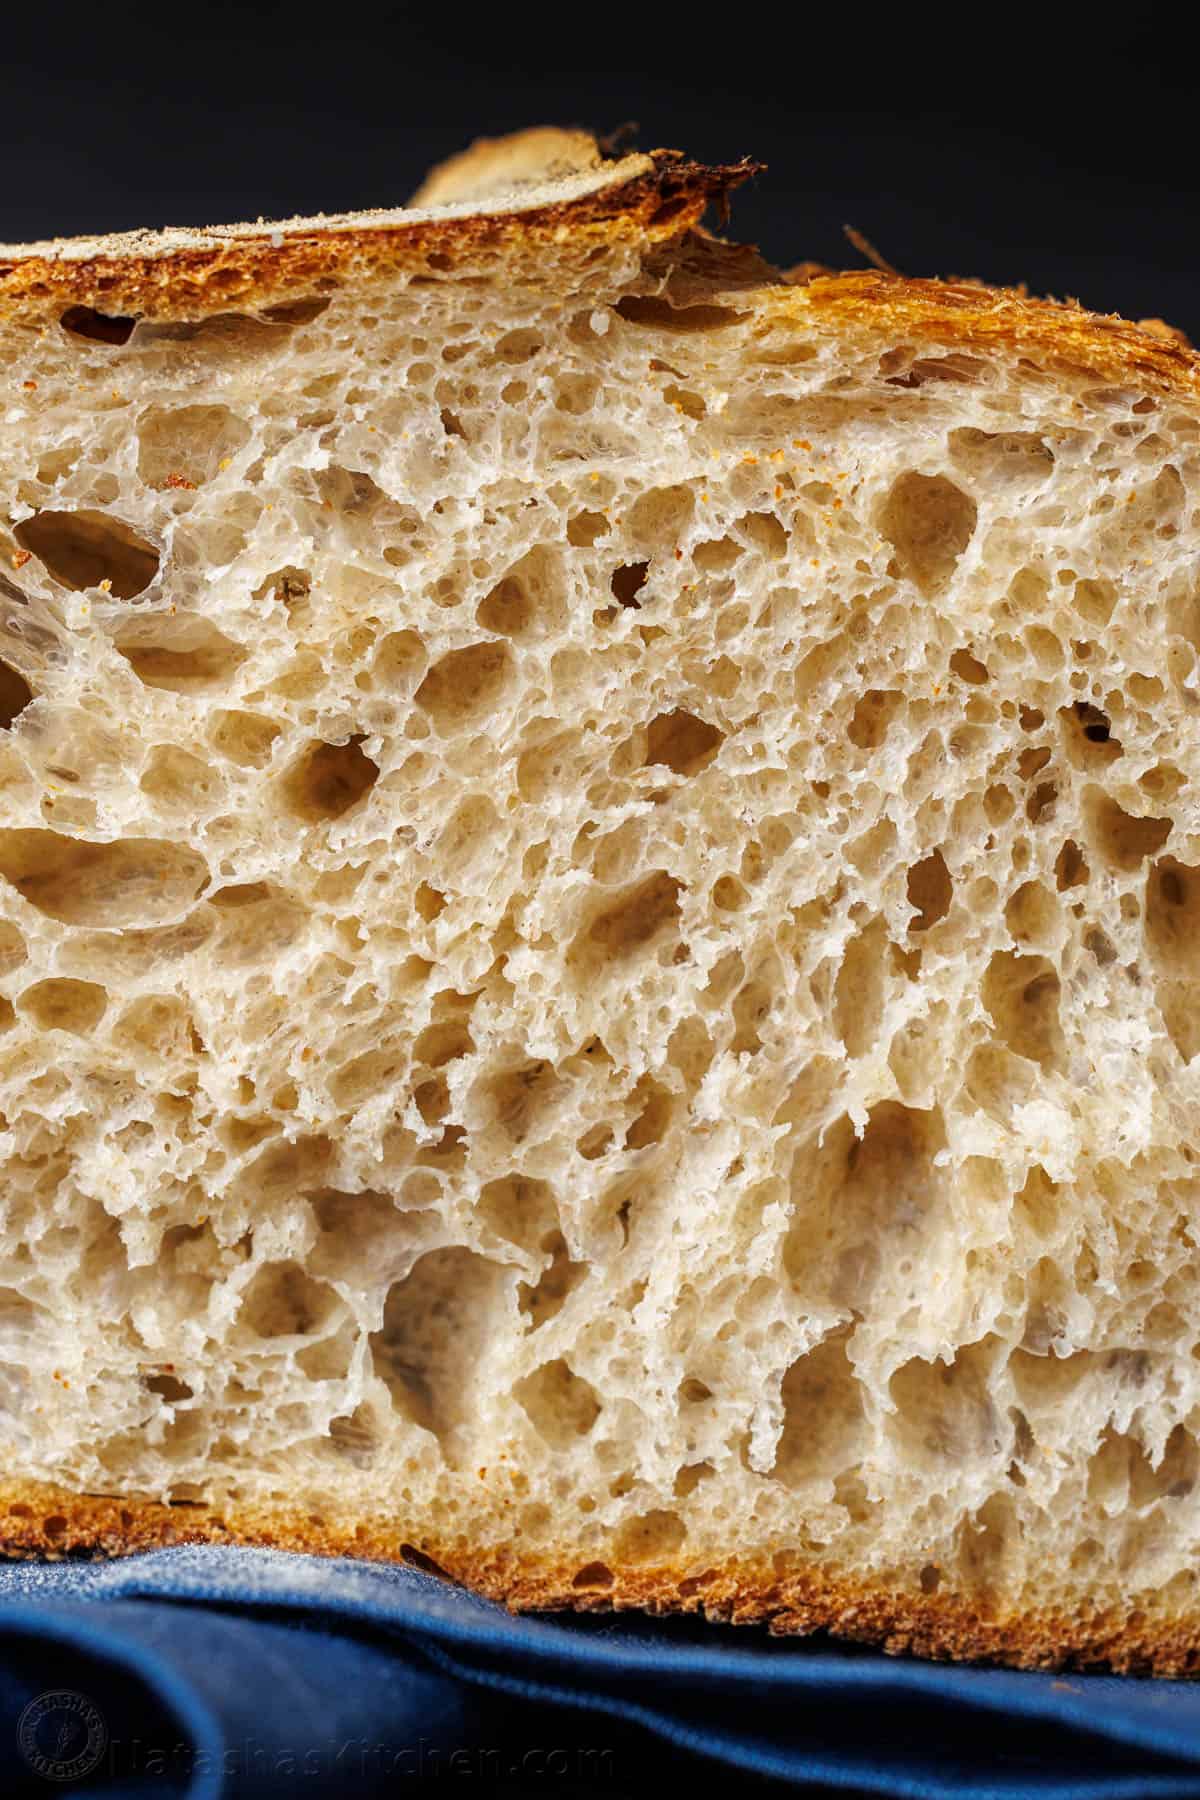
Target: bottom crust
37,1519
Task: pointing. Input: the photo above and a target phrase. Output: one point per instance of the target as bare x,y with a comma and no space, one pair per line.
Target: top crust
1059,337
488,207
531,199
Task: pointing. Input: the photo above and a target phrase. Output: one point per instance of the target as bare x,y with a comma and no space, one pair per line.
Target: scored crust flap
544,194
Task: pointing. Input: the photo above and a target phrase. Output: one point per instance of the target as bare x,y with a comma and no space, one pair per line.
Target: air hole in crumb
1009,460
929,522
433,1099
284,1301
872,717
686,1482
969,668
241,893
246,738
716,555
859,991
681,741
684,400
592,1575
131,881
728,894
1124,839
1031,914
1173,938
628,582
766,533
998,803
630,922
292,589
1022,995
329,779
436,1323
97,327
86,548
1087,732
654,1114
465,684
594,1142
930,891
61,1004
521,1209
183,447
183,658
1037,1203
400,661
658,313
15,695
1033,759
520,1095
1099,945
355,1436
943,1410
822,1415
1070,867
520,345
751,1008
1041,802
160,1026
585,527
442,1043
654,1537
925,369
531,596
560,1405
1095,601
546,1298
12,948
168,1388
430,902
1094,722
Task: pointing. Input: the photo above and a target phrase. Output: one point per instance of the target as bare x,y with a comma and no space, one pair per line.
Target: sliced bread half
600,918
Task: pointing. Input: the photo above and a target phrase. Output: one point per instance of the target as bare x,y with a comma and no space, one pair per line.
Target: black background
987,144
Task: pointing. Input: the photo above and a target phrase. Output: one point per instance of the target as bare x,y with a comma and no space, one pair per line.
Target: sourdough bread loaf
600,918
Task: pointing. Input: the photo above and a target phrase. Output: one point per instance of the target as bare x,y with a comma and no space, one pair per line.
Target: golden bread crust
37,1519
487,210
1057,337
189,274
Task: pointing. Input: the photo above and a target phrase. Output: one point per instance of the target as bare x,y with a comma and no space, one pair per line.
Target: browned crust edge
41,1520
1060,338
266,266
659,205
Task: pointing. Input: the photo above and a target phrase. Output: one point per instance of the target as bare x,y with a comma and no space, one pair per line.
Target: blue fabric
214,1673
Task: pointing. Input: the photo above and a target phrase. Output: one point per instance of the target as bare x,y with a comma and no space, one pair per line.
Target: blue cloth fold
213,1674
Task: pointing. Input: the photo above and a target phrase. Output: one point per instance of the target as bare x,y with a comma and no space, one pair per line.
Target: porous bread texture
599,935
